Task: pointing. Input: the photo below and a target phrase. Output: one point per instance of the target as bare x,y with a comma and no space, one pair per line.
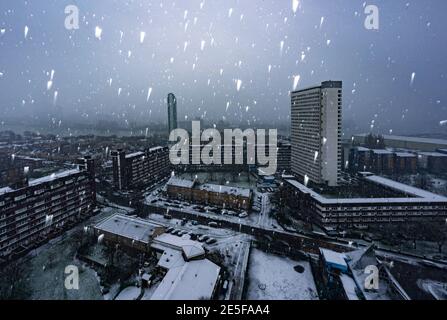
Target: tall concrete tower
316,133
172,112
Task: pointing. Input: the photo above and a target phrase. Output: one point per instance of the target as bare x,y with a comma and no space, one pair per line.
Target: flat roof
128,227
195,280
242,192
334,257
178,182
405,155
5,190
381,151
408,139
191,249
432,154
427,196
135,154
54,176
405,188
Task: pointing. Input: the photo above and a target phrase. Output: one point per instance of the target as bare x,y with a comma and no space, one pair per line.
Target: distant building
405,163
433,162
140,168
172,113
211,194
411,143
316,133
45,207
381,161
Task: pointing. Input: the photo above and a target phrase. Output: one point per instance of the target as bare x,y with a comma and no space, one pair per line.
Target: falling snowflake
98,33
413,76
142,36
296,80
295,5
238,84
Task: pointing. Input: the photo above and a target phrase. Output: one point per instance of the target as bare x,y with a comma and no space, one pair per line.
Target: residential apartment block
45,207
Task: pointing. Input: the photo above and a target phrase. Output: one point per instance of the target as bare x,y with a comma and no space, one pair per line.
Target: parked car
203,238
210,241
243,215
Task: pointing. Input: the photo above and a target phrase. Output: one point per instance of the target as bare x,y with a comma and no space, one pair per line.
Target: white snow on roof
370,201
194,280
410,139
182,183
128,227
382,151
5,190
362,149
405,155
334,257
53,177
171,258
432,154
242,192
405,188
191,249
349,286
155,149
135,154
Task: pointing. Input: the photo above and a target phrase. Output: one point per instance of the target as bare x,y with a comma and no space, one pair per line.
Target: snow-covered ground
129,293
272,277
46,267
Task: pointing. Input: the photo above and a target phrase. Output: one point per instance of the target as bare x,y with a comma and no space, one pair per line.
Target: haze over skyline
233,61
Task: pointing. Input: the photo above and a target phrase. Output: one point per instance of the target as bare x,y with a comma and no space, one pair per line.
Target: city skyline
219,67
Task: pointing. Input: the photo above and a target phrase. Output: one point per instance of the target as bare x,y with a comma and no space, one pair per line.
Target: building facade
209,194
316,133
139,168
399,204
45,207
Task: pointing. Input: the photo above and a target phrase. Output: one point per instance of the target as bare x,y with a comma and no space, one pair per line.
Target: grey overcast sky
205,50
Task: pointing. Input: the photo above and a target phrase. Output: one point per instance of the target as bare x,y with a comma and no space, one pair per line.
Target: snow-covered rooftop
128,227
432,154
242,192
53,177
405,155
334,257
5,190
382,151
419,196
405,188
411,139
195,280
191,249
349,286
155,149
182,183
171,258
135,154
